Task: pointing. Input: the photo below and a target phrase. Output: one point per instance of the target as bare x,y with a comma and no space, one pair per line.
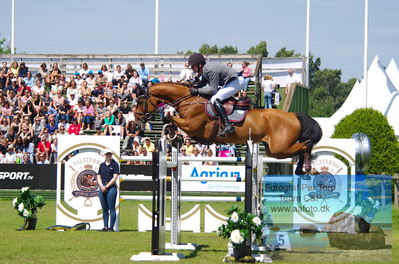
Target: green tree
384,145
206,49
4,46
228,50
283,52
261,48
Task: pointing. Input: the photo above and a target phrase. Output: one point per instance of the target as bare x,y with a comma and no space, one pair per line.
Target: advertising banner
223,174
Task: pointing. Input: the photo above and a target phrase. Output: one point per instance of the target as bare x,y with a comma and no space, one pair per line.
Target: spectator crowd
36,107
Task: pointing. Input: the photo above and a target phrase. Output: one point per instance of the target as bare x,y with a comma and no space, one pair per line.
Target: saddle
236,109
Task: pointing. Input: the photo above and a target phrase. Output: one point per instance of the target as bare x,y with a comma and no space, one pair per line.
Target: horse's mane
185,84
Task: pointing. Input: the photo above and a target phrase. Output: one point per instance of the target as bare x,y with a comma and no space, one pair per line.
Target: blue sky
127,26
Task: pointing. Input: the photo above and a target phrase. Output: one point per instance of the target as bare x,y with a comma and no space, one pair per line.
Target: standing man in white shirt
292,78
186,74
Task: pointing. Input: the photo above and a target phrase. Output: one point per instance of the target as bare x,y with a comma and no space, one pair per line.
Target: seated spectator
55,73
112,107
91,80
64,111
24,98
3,80
55,88
29,148
52,125
13,86
14,68
58,100
107,74
61,129
23,89
189,147
7,113
42,159
120,121
78,81
129,71
101,80
209,153
11,136
136,147
101,109
109,121
117,76
197,155
98,132
16,124
19,145
3,142
148,145
29,80
132,131
186,74
11,156
74,128
246,73
38,88
135,79
4,126
26,159
109,93
44,74
84,70
73,99
23,70
144,73
124,93
4,67
88,114
43,148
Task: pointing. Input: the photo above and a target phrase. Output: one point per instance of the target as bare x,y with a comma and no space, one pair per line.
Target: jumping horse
284,134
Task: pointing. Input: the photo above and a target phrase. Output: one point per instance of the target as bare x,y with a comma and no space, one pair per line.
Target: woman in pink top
246,73
7,112
88,114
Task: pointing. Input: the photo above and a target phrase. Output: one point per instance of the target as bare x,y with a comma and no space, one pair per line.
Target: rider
218,81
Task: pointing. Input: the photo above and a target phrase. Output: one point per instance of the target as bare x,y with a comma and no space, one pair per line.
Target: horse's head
146,109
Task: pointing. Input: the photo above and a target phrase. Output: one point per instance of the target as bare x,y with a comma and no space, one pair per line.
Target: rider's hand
194,91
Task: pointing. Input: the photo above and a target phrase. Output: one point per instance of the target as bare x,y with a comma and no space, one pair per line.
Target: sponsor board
223,174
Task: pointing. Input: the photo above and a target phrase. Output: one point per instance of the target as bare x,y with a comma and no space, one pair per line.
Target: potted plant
26,205
240,228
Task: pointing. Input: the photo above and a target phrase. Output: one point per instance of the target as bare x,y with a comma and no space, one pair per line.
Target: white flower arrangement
257,221
240,226
27,204
24,189
25,213
236,237
234,217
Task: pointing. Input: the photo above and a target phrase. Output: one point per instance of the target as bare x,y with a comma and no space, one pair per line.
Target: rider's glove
194,91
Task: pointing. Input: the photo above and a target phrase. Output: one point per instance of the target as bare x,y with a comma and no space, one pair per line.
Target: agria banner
223,174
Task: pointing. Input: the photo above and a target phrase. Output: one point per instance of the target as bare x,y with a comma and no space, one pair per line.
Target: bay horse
284,134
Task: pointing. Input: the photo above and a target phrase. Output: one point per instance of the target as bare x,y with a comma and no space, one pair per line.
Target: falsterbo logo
4,175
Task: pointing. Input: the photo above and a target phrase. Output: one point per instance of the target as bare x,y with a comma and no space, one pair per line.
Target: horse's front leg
180,123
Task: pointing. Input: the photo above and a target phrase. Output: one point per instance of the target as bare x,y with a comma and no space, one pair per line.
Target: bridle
145,99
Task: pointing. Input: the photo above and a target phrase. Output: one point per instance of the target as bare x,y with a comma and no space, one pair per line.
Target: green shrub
384,145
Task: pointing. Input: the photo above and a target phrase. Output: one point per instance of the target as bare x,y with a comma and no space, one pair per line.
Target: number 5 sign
282,241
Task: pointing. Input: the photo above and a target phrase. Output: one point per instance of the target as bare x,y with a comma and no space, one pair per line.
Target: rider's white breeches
230,89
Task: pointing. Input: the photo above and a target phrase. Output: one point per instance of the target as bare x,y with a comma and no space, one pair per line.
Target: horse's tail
310,129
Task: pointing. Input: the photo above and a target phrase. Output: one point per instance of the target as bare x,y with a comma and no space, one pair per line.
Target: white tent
382,95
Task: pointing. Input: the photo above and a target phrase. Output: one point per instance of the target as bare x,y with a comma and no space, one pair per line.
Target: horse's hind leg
287,152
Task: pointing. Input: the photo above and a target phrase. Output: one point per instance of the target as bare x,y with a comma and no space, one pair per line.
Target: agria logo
222,173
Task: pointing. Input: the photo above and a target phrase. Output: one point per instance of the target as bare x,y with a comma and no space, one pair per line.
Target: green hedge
384,145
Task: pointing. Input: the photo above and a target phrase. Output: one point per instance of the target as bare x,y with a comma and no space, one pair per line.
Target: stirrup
227,130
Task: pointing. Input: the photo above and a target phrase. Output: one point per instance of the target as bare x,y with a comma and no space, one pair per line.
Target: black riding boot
228,127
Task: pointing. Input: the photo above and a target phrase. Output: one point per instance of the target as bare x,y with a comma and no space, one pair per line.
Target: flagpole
12,26
307,52
156,25
365,61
